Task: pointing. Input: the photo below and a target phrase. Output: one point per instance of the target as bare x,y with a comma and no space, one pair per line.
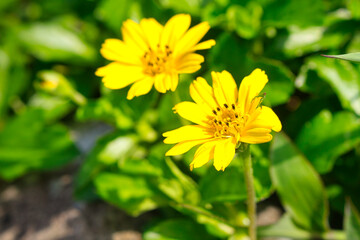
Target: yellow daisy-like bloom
152,54
225,116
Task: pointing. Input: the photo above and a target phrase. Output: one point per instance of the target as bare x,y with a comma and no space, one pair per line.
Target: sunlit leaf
331,136
354,6
285,228
298,185
109,12
54,107
287,13
355,57
133,194
246,21
179,229
102,109
52,42
351,221
344,79
297,41
108,151
40,147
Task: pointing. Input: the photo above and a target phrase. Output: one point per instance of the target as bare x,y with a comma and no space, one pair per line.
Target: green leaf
177,229
246,21
132,194
133,109
187,6
40,147
6,3
281,81
4,68
331,136
307,110
309,81
54,107
109,151
351,221
12,66
102,109
215,225
296,41
214,186
285,228
52,42
354,6
228,54
113,16
344,79
298,185
287,13
355,57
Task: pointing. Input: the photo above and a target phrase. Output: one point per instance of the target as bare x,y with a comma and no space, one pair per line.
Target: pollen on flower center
228,121
155,61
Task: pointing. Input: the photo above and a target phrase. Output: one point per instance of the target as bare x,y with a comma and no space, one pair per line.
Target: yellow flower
152,54
225,117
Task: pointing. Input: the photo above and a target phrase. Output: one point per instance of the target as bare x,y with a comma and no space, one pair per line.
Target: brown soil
43,208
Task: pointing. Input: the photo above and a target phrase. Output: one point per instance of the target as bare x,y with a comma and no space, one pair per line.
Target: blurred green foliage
314,162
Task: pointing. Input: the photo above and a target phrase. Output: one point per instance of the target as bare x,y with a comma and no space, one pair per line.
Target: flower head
152,54
225,117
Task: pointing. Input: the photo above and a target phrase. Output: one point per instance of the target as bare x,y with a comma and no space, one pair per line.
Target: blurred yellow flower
152,54
225,116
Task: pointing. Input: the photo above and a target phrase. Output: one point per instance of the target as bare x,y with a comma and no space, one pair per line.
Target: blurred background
78,161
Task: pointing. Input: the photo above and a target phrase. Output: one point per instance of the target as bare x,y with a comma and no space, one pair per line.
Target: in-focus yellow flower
225,117
152,54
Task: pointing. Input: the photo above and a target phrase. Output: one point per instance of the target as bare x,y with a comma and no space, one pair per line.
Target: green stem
250,190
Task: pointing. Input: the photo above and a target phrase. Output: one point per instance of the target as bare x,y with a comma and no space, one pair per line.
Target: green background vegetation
313,165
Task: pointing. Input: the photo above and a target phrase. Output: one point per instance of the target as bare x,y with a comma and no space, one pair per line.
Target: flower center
156,61
228,121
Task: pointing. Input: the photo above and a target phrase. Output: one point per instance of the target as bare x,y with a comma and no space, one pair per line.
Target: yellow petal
116,50
159,83
250,87
256,135
183,147
152,31
187,133
191,38
141,87
189,63
133,35
203,154
224,153
202,94
192,112
167,81
189,69
256,140
174,81
219,95
225,89
204,45
174,29
117,75
266,119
